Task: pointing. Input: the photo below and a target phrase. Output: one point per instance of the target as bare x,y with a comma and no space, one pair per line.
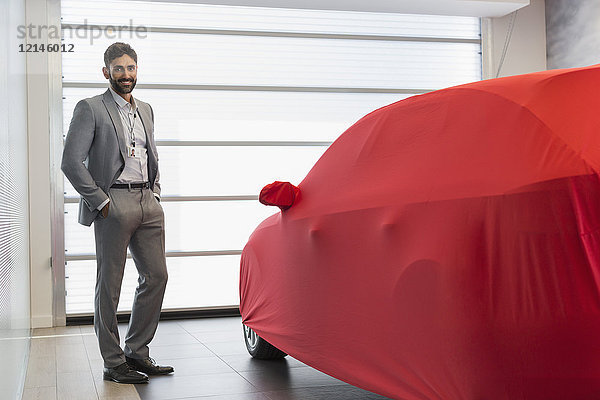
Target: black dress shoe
124,374
149,366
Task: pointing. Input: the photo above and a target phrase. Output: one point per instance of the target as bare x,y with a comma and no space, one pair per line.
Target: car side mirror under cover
280,194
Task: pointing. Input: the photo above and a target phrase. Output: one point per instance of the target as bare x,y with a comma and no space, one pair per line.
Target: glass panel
209,171
215,284
236,115
246,115
210,225
204,16
229,171
68,188
166,58
189,226
79,239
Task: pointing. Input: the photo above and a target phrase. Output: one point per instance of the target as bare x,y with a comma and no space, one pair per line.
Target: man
110,158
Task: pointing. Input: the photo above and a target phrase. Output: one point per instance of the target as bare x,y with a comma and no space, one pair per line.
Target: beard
118,86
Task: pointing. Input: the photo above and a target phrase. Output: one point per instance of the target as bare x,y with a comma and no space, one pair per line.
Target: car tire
259,347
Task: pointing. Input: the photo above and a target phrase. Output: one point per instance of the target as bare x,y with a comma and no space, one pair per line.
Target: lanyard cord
130,125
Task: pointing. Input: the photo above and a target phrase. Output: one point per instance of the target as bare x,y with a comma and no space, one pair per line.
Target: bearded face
122,74
122,85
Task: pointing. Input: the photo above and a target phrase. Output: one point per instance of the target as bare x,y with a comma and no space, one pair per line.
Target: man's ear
105,72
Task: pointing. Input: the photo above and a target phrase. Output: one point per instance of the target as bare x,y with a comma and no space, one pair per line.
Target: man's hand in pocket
105,210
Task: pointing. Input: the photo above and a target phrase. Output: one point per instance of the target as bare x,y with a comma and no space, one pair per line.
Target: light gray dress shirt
136,168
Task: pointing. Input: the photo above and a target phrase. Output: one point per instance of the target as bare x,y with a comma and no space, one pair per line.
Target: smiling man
110,158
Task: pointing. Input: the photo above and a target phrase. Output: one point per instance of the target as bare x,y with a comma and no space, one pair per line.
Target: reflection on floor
14,346
210,360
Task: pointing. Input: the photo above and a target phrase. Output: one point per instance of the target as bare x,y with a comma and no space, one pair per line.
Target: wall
526,51
573,33
14,219
40,138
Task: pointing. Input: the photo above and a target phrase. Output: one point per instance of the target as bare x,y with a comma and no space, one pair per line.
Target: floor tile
71,358
76,338
116,391
180,351
87,329
345,392
41,371
75,386
244,362
175,387
39,393
197,366
219,336
166,339
91,348
282,378
170,327
62,330
232,347
243,396
42,347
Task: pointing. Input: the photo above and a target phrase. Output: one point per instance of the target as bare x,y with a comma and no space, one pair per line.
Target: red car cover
446,246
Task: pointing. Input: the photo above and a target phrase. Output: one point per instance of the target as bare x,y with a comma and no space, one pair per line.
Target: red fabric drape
446,247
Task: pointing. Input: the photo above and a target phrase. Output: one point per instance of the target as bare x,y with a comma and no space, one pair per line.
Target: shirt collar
122,103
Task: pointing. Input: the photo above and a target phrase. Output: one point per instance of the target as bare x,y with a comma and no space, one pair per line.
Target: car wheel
259,347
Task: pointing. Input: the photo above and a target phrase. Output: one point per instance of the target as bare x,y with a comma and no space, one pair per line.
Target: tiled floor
210,360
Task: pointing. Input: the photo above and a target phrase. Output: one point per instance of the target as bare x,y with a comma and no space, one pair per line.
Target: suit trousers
135,220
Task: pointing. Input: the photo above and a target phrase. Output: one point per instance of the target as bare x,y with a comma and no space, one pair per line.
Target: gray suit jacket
95,150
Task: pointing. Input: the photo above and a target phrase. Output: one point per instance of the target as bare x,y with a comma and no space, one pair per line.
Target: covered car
446,246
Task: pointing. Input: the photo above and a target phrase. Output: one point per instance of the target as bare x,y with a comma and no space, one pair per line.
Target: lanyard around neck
130,123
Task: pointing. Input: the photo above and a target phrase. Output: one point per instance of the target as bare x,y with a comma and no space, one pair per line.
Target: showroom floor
210,360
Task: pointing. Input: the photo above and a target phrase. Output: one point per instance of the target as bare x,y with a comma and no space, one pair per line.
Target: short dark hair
117,50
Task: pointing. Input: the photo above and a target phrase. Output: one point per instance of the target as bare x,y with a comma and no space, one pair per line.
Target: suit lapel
146,118
113,112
